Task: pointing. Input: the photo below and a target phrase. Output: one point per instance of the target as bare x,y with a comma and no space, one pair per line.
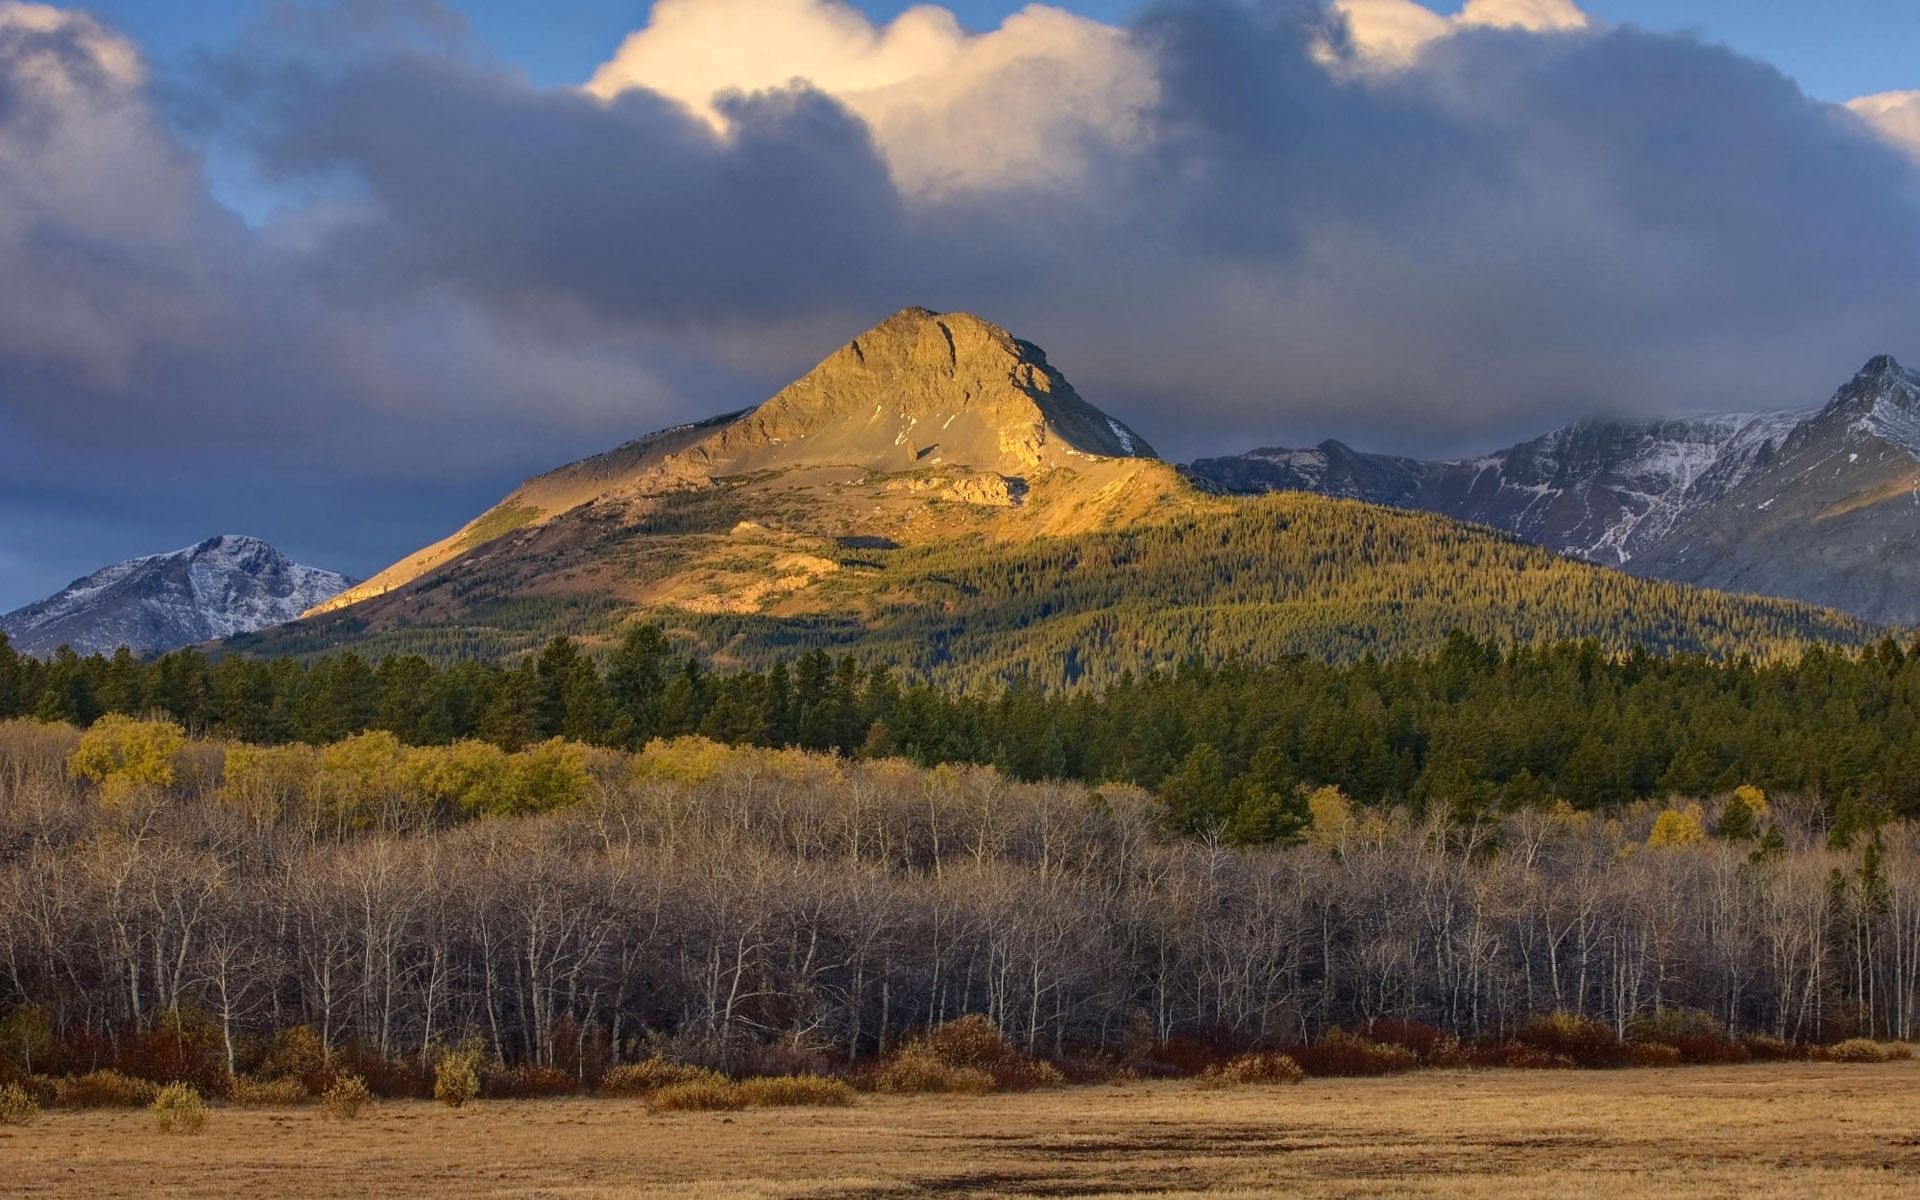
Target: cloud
1895,116
948,109
1215,223
1390,34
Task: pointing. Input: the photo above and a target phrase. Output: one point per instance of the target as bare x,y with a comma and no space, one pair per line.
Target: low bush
1898,1051
345,1097
16,1106
1429,1042
1856,1050
1341,1053
1698,1036
794,1091
1653,1054
1764,1047
1582,1041
637,1079
975,1043
249,1092
1518,1056
105,1089
1252,1070
957,1055
456,1077
699,1096
917,1069
179,1109
527,1083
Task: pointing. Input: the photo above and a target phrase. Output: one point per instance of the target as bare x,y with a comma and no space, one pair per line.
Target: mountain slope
923,407
936,496
221,587
1816,506
1832,517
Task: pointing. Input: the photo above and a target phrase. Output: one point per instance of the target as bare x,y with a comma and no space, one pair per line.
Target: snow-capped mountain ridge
1812,504
223,586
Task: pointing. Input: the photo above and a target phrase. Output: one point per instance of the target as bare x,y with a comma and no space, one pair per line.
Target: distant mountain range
1821,506
936,495
221,587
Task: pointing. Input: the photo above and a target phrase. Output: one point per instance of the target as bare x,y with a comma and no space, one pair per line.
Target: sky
339,274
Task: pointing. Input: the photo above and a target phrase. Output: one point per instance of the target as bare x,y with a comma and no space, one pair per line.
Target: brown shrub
178,1109
1696,1035
345,1097
297,1052
105,1089
794,1091
1251,1070
16,1106
1341,1053
1518,1056
917,1070
1856,1050
1583,1041
974,1043
527,1083
1653,1054
1427,1041
1764,1047
698,1096
1898,1051
1180,1055
249,1092
637,1079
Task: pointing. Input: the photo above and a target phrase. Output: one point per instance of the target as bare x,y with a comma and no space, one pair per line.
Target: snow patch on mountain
1682,467
1894,415
218,588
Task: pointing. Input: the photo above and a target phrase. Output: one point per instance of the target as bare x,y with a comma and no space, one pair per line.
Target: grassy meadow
1784,1129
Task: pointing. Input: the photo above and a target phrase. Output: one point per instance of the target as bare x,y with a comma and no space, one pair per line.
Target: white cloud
1895,116
1020,105
1389,34
1537,16
113,56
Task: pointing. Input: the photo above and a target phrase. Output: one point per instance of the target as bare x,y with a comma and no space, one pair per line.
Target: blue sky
1835,49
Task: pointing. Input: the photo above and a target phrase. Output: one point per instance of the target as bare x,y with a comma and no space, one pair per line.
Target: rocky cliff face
1832,517
218,588
1816,505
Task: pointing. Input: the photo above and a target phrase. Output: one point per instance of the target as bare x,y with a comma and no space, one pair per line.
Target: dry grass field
1803,1130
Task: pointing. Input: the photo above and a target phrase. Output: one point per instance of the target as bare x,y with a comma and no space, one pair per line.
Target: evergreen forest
1469,730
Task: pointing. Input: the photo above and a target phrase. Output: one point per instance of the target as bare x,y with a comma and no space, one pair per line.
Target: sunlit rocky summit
223,586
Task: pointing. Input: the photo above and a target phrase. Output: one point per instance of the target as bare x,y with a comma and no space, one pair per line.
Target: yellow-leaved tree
125,756
1332,818
1673,829
270,783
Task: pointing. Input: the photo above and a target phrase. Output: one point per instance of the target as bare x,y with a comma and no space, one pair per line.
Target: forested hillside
1473,728
1256,580
197,910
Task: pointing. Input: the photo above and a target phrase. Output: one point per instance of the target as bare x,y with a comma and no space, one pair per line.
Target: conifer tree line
199,910
1231,749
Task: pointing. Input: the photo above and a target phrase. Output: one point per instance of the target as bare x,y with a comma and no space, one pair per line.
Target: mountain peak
924,389
216,588
924,406
1881,387
1880,366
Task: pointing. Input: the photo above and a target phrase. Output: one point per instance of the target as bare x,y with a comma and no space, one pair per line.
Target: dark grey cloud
1516,230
